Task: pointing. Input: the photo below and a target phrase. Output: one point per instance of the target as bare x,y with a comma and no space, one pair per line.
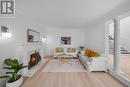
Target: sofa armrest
85,57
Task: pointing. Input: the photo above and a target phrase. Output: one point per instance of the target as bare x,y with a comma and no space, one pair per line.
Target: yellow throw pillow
94,54
87,52
58,50
91,53
73,49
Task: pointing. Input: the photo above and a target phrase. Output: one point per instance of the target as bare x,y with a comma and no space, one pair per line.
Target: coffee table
65,58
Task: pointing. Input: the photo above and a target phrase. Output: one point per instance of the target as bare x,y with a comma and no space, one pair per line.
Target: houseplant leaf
6,76
8,68
9,62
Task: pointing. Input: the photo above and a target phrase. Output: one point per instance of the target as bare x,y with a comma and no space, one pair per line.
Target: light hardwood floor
71,79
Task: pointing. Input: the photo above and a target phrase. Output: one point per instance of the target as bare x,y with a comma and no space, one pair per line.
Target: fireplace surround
24,52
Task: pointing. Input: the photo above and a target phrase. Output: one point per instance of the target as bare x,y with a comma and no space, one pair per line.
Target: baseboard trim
120,77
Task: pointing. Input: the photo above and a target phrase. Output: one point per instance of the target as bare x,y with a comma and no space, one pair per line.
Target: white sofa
74,54
94,64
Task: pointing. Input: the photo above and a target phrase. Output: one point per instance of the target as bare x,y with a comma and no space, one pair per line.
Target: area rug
55,66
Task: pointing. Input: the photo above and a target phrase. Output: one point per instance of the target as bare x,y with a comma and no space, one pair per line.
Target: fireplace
34,59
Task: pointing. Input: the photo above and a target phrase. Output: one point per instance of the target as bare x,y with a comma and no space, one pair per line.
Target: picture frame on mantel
65,40
33,36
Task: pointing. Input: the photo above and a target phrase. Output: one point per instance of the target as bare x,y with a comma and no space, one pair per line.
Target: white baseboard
120,77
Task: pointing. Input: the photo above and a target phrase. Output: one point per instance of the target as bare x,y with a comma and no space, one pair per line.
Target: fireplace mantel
28,44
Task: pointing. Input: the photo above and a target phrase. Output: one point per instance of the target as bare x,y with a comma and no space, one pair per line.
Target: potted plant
15,79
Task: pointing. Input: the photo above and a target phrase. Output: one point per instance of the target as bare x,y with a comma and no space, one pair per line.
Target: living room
51,34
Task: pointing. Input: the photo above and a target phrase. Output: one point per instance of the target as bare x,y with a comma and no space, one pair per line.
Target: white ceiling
66,13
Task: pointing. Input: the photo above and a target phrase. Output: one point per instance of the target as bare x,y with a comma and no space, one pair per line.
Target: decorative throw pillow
91,53
87,52
94,54
73,49
58,50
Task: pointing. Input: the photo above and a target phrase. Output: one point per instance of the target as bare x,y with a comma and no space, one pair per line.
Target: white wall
18,28
94,37
54,37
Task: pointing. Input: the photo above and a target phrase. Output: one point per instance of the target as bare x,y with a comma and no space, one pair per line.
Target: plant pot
16,83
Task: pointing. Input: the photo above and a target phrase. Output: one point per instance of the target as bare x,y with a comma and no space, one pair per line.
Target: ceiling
66,13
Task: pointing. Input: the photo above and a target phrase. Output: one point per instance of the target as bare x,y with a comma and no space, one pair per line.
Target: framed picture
33,36
65,40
